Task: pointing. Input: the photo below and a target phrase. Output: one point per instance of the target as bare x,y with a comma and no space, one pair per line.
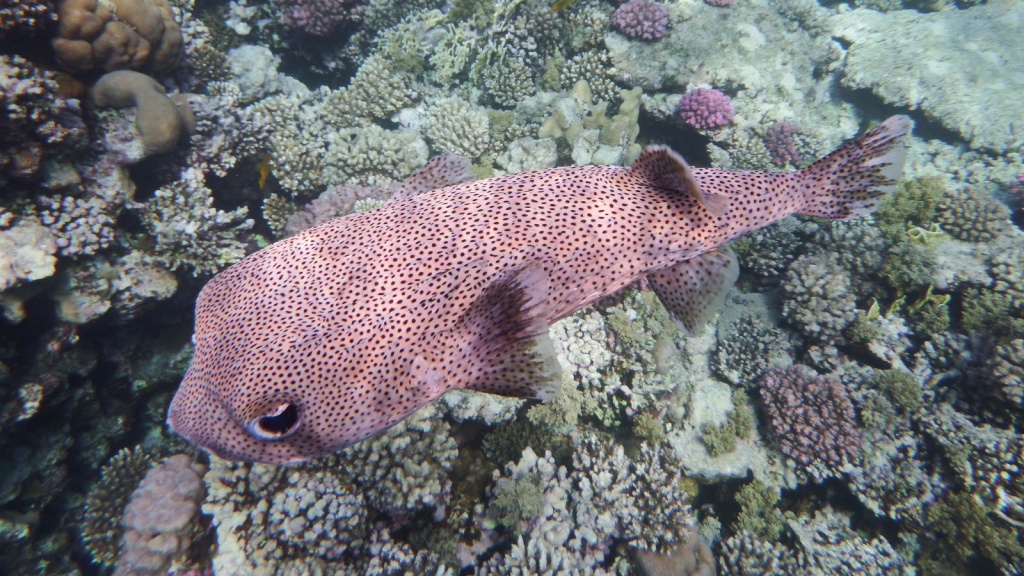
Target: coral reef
37,123
119,34
644,19
189,232
159,516
812,418
817,297
319,17
705,108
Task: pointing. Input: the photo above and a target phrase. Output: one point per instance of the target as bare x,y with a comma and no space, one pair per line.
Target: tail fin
852,181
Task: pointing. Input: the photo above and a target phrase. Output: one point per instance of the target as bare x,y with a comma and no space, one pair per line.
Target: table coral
812,418
907,59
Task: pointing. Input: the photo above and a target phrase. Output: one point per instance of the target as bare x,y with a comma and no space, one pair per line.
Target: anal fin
693,290
503,337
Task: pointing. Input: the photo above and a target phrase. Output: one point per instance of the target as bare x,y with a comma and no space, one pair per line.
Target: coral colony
813,363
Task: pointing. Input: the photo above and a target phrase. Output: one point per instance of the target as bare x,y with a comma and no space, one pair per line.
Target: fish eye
280,422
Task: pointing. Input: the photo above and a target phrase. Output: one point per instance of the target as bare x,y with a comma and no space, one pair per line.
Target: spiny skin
343,320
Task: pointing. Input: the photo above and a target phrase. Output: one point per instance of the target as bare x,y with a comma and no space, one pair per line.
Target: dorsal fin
663,168
445,170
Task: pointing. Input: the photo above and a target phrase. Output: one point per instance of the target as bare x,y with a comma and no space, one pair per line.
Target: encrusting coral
159,518
159,120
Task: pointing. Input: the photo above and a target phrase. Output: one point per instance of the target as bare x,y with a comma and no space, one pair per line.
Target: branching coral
812,418
454,125
106,501
191,233
972,214
817,297
37,122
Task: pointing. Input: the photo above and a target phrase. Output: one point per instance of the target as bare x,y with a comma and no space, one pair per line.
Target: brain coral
118,34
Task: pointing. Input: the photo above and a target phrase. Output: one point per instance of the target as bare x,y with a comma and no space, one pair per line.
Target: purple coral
780,140
645,19
705,108
811,416
319,17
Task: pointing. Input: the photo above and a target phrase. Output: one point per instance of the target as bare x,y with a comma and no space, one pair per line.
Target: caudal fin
854,179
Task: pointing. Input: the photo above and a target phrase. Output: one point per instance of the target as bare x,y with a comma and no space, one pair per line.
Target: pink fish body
330,336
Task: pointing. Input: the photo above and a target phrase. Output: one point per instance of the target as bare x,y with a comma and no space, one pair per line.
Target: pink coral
645,19
812,418
780,140
319,17
705,108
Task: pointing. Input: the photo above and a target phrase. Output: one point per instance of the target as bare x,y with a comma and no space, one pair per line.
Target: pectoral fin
694,290
503,337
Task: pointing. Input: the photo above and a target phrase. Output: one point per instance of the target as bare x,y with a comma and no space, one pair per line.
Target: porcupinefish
328,337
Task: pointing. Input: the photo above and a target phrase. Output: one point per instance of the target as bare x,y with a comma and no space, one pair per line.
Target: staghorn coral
80,225
454,125
746,348
533,556
817,297
892,481
225,131
189,232
644,19
986,460
744,554
371,155
971,214
158,520
833,548
375,92
313,502
405,468
594,68
812,419
770,250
